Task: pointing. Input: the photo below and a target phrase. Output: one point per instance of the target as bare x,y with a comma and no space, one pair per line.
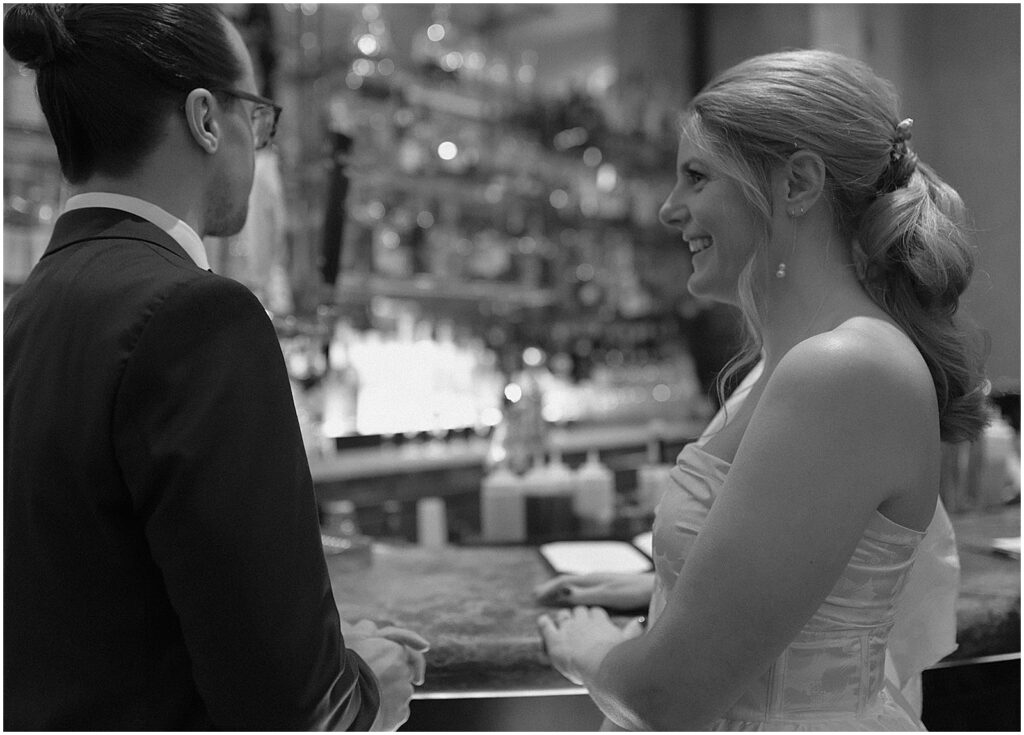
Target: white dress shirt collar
184,235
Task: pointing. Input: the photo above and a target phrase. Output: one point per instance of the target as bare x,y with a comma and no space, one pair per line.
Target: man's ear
201,123
802,181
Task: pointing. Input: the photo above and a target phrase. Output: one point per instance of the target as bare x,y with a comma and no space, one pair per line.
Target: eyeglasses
264,116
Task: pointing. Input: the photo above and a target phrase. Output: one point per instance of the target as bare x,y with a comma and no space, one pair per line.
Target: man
162,559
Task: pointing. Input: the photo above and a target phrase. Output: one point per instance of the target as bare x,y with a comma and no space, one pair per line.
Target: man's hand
396,657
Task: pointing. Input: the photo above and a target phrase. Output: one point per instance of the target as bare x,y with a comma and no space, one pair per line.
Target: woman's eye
693,176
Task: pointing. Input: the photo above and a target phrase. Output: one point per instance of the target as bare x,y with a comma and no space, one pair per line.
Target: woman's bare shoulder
864,364
861,352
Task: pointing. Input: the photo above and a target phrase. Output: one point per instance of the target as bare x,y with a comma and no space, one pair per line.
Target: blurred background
475,187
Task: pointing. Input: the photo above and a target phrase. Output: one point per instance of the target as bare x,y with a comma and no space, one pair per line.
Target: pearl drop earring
780,272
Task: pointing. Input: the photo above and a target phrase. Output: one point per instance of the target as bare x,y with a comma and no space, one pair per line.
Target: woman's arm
840,425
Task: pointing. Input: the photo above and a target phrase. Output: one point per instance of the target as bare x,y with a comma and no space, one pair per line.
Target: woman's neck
820,291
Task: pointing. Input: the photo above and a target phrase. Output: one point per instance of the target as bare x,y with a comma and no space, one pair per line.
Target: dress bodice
834,670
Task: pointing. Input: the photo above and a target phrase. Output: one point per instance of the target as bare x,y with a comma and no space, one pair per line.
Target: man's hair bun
35,35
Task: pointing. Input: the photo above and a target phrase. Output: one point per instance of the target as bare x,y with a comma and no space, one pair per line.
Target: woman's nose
671,212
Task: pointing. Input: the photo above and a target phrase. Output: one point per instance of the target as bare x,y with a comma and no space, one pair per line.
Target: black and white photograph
511,367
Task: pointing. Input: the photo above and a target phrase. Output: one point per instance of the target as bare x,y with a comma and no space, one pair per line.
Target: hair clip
903,134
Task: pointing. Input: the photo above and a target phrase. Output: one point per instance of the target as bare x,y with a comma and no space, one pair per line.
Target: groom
163,568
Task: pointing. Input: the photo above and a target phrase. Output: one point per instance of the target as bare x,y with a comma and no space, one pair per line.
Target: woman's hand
615,591
578,640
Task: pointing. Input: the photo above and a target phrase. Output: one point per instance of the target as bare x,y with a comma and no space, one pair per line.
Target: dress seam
865,673
777,692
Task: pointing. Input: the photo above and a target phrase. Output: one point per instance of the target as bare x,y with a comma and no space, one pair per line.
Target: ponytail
913,259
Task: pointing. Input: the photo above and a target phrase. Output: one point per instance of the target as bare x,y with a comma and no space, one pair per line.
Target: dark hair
107,76
906,226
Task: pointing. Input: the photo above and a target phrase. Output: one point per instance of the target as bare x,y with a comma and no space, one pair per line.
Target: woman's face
718,224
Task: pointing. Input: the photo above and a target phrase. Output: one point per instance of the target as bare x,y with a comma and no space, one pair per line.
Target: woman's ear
802,181
201,123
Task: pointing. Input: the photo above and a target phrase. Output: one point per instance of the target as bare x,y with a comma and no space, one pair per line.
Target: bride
784,550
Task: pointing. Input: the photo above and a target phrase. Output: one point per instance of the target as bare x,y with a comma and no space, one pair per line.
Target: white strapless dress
832,676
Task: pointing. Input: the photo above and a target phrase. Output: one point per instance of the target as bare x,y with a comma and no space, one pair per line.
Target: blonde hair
907,226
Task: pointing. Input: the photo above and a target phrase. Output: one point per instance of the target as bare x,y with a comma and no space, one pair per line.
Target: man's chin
227,227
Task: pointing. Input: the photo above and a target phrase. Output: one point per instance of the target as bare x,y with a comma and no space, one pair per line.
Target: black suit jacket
162,558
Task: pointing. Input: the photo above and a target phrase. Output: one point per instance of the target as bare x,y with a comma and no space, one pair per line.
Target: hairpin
899,142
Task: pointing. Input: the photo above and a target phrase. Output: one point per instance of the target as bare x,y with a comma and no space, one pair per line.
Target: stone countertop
476,606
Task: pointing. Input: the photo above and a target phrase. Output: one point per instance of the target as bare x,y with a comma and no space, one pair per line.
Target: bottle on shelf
431,523
340,386
392,254
559,477
441,245
502,507
982,473
549,501
653,476
594,497
392,528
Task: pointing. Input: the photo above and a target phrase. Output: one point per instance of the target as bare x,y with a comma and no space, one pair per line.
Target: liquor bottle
340,387
441,245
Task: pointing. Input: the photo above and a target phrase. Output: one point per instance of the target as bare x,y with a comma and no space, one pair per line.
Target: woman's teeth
698,244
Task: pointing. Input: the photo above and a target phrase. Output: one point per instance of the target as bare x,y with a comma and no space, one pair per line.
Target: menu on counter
584,557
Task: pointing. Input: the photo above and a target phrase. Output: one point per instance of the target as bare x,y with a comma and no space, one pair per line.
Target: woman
800,516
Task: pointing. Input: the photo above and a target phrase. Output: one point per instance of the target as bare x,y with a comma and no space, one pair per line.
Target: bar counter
475,605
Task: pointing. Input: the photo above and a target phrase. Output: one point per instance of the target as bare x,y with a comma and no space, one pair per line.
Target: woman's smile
699,244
